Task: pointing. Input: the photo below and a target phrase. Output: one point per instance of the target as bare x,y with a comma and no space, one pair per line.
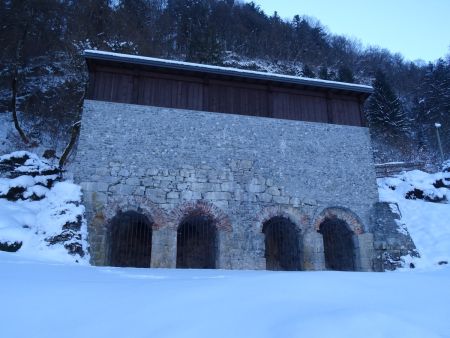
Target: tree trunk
73,138
14,106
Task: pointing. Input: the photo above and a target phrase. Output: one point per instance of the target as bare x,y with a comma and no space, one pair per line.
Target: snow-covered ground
64,301
44,294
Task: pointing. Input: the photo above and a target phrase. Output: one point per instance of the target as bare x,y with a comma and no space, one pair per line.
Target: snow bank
423,202
40,215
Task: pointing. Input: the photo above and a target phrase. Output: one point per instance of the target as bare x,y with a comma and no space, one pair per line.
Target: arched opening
196,243
338,244
282,245
131,240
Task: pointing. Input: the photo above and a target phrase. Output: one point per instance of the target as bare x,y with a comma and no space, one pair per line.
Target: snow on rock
25,162
40,215
416,184
423,200
446,167
23,182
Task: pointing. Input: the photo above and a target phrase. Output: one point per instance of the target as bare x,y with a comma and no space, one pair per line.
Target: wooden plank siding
214,93
230,97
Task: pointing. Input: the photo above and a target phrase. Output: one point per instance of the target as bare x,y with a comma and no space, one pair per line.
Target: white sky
417,29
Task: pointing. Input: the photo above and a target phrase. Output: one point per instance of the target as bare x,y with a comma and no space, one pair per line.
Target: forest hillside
43,75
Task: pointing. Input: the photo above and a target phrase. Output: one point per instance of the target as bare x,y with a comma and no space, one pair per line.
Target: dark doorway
282,245
338,245
131,240
196,243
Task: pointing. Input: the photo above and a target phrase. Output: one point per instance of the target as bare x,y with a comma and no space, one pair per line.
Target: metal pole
438,125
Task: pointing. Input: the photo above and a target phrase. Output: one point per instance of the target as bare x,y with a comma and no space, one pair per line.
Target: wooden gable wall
171,88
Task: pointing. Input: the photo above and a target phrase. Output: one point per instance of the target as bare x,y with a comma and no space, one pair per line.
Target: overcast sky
417,29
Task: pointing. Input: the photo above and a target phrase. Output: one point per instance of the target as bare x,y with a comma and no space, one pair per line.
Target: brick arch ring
134,203
349,217
199,208
295,216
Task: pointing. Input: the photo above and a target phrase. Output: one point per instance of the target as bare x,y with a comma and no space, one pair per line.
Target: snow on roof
150,61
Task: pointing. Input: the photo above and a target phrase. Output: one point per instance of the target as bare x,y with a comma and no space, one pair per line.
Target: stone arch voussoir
221,220
139,204
349,217
292,214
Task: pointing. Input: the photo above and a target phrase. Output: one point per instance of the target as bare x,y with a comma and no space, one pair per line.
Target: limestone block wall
242,170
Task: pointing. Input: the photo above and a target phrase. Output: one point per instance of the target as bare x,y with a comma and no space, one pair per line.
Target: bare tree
14,81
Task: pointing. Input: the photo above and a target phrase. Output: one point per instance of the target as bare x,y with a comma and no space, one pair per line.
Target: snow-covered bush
40,214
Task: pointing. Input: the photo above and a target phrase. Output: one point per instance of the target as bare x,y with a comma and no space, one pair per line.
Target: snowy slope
423,201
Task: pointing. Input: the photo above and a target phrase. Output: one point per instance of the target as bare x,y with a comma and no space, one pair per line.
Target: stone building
193,166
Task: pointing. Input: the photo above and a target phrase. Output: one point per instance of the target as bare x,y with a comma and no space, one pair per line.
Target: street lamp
438,125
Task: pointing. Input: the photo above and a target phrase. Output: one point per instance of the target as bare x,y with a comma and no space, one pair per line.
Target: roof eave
129,59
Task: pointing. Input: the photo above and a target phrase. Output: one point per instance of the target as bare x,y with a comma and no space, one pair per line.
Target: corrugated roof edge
150,61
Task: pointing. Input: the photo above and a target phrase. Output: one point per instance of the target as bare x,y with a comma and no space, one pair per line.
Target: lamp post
438,125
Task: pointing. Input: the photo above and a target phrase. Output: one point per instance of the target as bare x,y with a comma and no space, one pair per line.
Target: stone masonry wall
242,170
392,240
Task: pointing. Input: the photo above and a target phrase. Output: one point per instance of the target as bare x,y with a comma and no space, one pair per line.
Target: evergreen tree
437,92
323,73
435,103
385,111
308,72
345,74
195,33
